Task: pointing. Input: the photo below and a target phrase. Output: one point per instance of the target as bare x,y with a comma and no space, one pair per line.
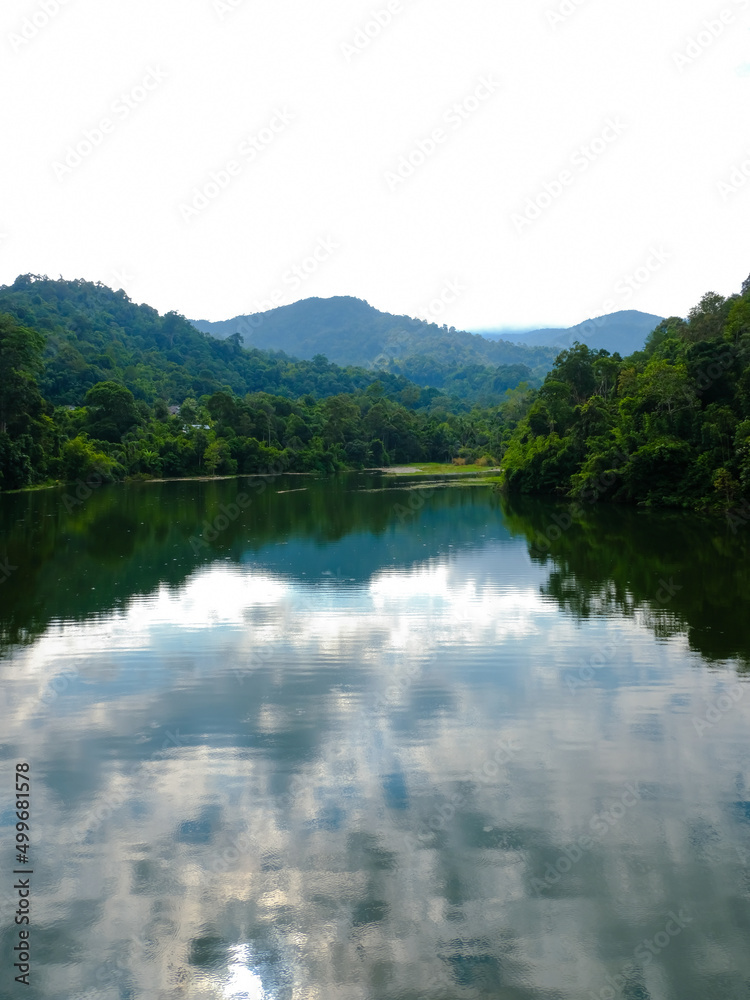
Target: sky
490,164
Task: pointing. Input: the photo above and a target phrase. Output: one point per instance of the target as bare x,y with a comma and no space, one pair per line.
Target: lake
350,738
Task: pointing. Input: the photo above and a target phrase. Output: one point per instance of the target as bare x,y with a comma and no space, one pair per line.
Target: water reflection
399,760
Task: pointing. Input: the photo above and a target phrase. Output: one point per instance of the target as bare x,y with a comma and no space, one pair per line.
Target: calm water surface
351,742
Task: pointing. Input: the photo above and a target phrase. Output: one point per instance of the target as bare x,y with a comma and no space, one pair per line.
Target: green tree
575,367
665,387
79,459
20,364
218,458
705,320
112,411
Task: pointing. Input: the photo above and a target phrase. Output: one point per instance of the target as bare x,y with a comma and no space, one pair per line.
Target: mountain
620,332
349,331
93,385
94,334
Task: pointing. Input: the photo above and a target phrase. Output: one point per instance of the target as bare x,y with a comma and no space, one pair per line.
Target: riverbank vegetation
93,385
667,426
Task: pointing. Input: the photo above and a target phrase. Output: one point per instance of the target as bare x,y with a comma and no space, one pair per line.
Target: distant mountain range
622,332
349,331
96,334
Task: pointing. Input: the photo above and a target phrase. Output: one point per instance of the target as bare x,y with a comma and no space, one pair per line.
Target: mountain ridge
349,331
624,332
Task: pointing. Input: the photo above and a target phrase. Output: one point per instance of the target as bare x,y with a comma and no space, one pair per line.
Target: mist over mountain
620,332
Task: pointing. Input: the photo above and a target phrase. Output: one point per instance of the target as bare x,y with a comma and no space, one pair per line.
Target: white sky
118,216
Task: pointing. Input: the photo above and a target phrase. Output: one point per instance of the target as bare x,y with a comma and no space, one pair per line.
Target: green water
327,738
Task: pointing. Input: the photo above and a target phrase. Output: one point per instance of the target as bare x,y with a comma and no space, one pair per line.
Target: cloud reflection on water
265,845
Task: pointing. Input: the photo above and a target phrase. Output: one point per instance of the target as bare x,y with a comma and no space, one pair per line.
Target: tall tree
112,411
20,363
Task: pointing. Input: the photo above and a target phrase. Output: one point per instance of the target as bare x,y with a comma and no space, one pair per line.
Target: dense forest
668,426
93,385
95,334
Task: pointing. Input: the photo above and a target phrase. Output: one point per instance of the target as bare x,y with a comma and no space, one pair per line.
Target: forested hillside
93,385
669,425
94,333
349,331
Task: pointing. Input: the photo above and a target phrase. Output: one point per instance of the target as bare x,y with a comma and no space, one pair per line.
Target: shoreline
393,470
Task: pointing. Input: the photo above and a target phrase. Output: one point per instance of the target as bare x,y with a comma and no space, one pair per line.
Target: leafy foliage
94,334
132,393
669,426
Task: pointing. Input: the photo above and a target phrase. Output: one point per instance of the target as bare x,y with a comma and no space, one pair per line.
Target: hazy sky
491,163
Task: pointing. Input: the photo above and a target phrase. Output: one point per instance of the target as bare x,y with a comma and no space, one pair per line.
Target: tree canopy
669,425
